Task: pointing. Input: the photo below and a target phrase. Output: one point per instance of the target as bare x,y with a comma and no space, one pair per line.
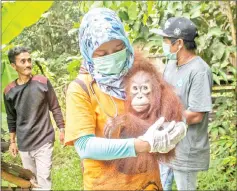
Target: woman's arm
105,149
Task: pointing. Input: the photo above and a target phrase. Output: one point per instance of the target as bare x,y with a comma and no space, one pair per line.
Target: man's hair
189,45
16,51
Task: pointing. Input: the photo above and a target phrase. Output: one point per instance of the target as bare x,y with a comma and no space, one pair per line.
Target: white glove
179,133
158,140
175,135
163,141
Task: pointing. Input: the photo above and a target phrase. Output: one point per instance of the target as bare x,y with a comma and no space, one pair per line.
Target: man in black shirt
28,101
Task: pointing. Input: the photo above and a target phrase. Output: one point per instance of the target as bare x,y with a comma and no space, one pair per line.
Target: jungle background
50,30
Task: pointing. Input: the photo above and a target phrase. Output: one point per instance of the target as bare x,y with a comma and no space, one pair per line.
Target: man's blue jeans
184,180
167,177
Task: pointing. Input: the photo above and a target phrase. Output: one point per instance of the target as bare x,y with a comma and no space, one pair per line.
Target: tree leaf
18,15
195,14
149,7
96,4
187,15
195,11
222,131
144,19
132,11
136,26
215,31
216,79
123,15
224,64
72,65
144,32
108,3
218,49
223,74
232,69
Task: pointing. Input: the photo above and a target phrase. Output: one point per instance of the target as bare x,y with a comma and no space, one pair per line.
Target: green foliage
8,74
18,15
55,33
223,145
217,179
65,69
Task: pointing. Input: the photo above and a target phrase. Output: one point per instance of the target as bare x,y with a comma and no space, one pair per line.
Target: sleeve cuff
197,109
131,146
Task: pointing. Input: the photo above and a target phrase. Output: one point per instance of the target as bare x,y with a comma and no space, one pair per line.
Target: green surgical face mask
110,64
167,53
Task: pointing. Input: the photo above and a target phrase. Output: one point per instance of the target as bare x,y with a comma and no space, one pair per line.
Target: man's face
173,47
23,64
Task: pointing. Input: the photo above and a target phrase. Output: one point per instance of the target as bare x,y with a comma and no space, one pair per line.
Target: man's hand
13,149
61,135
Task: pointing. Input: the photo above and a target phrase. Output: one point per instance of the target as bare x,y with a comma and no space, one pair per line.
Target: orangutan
149,97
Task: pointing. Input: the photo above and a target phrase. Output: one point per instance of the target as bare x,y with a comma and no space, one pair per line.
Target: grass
66,171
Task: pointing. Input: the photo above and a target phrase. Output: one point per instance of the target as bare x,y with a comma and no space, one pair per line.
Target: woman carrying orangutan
97,98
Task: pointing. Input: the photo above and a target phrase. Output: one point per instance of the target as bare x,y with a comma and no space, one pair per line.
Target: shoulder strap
83,85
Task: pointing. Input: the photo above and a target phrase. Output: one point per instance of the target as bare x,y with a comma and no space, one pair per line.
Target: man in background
191,77
28,101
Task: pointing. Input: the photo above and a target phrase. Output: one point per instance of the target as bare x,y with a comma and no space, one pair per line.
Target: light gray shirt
193,84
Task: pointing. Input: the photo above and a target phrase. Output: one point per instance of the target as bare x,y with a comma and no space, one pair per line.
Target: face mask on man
166,50
111,64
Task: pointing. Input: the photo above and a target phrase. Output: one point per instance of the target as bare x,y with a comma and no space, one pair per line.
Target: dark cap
178,27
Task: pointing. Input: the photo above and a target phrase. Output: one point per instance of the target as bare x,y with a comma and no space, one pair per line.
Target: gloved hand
176,132
163,141
179,133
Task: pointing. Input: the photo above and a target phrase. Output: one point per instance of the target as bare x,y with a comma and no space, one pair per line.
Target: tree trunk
40,67
17,171
15,180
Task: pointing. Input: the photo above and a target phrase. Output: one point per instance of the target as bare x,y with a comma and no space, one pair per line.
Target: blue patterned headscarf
98,26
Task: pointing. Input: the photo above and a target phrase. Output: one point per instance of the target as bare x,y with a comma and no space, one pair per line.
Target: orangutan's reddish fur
164,102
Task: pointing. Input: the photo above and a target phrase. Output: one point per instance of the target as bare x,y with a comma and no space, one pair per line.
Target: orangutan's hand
113,127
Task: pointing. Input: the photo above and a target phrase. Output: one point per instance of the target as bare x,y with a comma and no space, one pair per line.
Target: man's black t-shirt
27,108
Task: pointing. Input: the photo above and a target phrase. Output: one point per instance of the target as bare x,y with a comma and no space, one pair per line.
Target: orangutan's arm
126,124
113,127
